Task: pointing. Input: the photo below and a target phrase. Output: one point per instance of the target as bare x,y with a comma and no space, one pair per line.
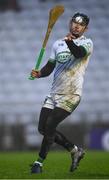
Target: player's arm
77,51
45,71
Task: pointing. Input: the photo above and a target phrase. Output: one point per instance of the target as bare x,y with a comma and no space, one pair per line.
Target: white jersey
69,71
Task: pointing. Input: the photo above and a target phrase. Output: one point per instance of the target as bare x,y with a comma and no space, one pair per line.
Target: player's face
77,29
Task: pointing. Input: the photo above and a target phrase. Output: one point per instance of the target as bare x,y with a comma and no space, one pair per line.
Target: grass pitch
15,165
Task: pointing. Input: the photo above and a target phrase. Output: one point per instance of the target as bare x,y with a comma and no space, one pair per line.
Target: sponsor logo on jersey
63,56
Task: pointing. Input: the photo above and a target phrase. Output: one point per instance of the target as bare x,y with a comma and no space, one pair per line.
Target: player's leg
47,108
69,103
45,112
59,137
48,105
36,167
51,135
76,154
63,141
55,117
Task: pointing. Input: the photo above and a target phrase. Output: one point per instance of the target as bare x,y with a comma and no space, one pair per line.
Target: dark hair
83,17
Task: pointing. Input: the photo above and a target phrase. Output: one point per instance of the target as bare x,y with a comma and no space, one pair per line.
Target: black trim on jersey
47,69
77,51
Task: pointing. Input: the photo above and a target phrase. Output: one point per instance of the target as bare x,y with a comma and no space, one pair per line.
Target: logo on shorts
69,104
72,105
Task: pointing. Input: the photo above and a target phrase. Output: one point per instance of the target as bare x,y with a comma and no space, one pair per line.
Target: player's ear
86,28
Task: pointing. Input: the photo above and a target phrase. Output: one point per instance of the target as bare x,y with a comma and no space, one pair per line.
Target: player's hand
69,37
35,73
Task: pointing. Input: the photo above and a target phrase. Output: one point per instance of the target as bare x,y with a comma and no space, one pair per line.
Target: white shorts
66,102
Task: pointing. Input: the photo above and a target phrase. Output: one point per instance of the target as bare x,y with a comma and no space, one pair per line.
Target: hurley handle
38,61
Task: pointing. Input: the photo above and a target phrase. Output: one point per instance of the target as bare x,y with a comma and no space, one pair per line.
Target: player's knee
49,129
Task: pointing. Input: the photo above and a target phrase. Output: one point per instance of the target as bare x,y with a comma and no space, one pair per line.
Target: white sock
37,162
75,149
